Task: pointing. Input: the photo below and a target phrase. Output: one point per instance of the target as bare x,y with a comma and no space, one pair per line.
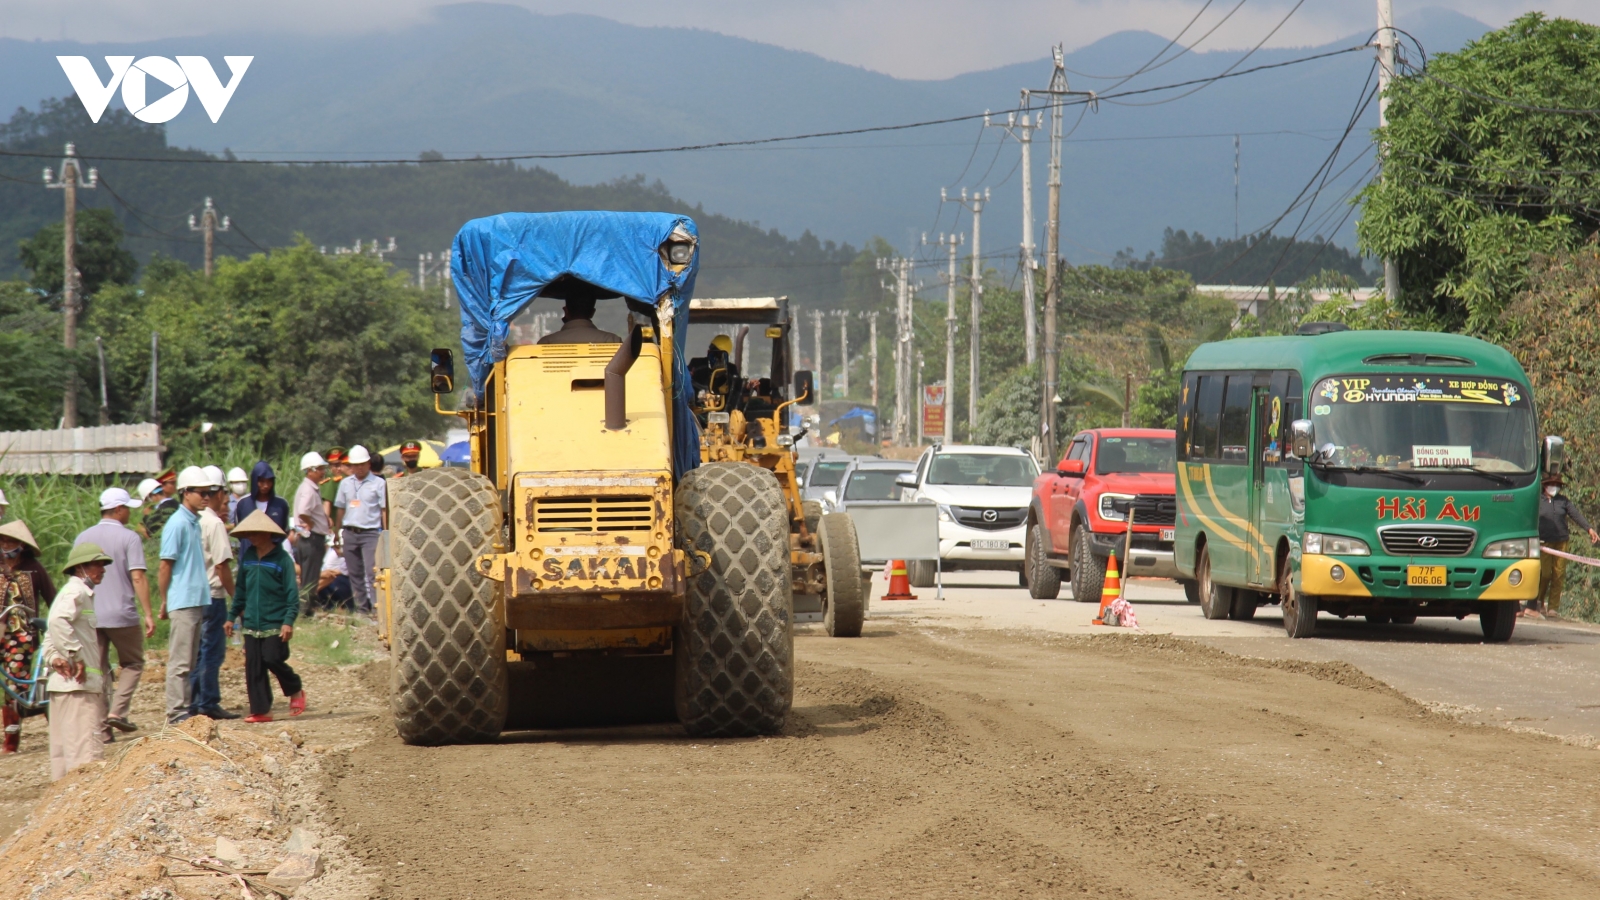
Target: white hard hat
147,487
113,497
193,477
237,474
214,476
312,460
358,454
3,501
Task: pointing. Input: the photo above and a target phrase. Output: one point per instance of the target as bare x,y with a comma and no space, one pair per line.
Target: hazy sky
906,38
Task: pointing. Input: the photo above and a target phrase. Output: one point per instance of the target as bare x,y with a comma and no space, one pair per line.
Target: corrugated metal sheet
103,450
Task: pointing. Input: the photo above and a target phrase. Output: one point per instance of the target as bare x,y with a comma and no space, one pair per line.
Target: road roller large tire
812,510
845,605
734,649
448,637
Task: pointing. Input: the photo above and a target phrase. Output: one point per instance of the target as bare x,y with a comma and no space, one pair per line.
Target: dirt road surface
927,761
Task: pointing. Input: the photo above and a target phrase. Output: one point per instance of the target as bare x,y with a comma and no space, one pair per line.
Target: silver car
821,473
866,479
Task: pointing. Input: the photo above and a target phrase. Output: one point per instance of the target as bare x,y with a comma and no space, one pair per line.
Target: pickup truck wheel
922,573
1088,570
1042,580
1216,600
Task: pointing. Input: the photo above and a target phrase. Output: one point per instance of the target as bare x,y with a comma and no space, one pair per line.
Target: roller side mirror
442,370
804,387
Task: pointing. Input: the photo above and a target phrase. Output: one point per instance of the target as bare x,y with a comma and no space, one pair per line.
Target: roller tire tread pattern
734,648
841,561
812,511
449,656
1042,580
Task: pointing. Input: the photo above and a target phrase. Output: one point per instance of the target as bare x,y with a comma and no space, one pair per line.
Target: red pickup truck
1079,513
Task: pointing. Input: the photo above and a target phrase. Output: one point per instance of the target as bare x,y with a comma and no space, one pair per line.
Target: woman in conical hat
25,589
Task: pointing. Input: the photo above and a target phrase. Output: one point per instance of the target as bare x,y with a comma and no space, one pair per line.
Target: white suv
983,495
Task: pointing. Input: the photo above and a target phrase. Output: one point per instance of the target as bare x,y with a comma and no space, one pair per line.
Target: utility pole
1057,90
901,270
105,403
950,243
1236,187
1023,130
816,340
975,204
872,337
922,399
71,180
208,224
844,348
1127,399
1391,270
155,384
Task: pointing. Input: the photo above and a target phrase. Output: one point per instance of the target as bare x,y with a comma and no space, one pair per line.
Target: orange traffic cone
899,582
1111,590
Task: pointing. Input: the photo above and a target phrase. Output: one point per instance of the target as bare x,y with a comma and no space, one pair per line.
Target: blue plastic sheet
501,263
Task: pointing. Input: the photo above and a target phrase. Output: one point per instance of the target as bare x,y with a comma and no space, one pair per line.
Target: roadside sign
933,409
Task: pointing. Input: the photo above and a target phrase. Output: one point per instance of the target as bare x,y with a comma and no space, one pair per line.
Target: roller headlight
1517,548
680,252
1334,545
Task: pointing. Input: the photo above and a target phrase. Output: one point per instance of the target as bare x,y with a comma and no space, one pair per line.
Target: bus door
1263,444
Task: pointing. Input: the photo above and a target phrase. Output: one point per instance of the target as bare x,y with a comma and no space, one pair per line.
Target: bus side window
1186,414
1235,435
1207,418
1293,408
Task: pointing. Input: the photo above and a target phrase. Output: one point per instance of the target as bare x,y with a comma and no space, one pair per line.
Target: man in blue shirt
184,586
360,513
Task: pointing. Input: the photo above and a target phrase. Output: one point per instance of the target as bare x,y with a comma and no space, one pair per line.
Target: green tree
101,259
289,350
30,340
1492,159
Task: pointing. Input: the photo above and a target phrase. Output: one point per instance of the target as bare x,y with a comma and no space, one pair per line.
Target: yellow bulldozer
745,419
588,524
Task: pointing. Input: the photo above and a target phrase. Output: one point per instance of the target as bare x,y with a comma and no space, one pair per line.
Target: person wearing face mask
238,487
1555,509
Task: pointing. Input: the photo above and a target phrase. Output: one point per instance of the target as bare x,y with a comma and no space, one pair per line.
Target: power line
1236,63
714,145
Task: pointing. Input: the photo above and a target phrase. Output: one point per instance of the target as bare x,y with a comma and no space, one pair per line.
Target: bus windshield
1419,422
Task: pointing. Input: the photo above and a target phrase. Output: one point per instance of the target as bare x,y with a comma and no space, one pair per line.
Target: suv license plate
1169,534
991,545
1426,576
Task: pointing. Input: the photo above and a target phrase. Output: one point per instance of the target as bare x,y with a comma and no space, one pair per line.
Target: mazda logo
990,515
1428,541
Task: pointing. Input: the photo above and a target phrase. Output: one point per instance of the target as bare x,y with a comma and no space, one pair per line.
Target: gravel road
927,761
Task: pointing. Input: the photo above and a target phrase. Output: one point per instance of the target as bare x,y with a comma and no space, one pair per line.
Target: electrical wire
1238,62
641,151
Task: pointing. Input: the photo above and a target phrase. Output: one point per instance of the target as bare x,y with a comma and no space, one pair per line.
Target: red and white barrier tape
1586,560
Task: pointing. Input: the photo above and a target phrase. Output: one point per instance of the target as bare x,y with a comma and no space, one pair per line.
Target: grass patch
331,640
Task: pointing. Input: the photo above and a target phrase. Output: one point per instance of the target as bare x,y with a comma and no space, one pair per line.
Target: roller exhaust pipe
617,380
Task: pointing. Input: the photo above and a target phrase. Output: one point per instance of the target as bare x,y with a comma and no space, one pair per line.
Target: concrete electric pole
950,243
71,180
1391,271
1057,90
901,270
816,341
1023,130
844,348
872,338
975,204
208,224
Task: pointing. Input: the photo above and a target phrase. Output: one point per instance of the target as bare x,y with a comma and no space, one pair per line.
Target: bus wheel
1244,605
1191,590
1299,610
1216,601
1497,618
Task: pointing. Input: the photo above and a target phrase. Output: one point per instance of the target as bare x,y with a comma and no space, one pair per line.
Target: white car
983,495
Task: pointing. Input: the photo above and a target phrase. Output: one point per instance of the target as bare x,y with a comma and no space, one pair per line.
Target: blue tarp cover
500,263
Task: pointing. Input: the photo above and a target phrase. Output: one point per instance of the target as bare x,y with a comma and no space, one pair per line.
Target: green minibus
1385,474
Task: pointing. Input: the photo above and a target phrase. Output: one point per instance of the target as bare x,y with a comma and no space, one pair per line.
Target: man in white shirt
360,513
310,519
205,680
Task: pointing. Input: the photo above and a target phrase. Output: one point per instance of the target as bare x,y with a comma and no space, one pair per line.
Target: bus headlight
1334,545
1114,507
1516,548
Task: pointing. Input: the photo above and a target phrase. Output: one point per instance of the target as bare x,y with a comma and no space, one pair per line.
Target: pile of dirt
149,821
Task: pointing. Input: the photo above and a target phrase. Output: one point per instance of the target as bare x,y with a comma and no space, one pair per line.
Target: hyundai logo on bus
1428,541
133,77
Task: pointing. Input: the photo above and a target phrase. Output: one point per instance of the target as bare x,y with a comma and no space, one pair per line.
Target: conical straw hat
257,522
18,530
